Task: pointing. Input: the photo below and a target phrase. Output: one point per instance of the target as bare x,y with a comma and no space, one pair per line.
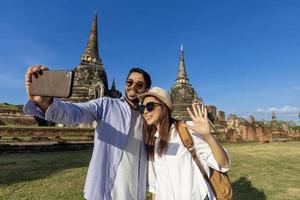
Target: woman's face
152,110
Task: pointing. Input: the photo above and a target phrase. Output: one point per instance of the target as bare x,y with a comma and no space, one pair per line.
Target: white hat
159,93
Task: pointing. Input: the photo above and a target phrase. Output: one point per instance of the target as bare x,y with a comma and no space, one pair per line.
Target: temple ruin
91,83
182,92
234,129
90,80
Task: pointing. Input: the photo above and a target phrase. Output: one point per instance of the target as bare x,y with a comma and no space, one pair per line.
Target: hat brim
141,97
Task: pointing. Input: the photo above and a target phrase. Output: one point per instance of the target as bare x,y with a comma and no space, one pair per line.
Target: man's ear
147,89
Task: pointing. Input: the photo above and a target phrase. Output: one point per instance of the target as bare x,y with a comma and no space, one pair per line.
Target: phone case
52,83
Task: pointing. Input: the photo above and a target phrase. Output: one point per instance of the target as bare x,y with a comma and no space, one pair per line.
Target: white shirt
126,182
175,175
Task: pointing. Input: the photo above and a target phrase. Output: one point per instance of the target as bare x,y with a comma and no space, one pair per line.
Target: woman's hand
201,122
202,126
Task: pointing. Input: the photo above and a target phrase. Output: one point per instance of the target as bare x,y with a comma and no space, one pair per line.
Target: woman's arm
202,127
218,151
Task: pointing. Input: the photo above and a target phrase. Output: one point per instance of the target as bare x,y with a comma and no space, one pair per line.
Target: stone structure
212,113
233,129
239,129
36,139
90,80
251,119
182,92
275,126
16,117
217,117
221,117
274,118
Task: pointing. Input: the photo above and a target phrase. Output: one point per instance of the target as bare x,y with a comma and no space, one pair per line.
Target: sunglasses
137,85
150,106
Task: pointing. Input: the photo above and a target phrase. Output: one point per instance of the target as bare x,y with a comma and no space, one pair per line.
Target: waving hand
202,126
201,122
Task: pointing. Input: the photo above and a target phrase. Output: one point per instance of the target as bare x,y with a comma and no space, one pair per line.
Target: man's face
135,85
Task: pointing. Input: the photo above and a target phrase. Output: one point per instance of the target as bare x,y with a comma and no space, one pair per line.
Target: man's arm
54,110
42,102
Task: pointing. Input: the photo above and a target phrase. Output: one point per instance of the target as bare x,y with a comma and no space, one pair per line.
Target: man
117,168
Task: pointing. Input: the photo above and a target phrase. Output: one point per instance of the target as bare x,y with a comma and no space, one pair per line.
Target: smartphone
53,83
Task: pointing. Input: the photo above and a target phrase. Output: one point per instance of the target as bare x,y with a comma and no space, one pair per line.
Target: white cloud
284,109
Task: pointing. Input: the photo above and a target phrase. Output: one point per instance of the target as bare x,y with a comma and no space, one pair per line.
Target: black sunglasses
138,85
149,106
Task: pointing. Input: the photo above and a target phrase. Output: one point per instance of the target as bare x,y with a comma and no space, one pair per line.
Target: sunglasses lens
139,85
129,83
150,106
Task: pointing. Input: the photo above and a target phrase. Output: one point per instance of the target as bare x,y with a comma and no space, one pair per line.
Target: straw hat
159,93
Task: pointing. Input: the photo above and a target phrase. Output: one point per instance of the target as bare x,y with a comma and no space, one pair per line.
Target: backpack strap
188,143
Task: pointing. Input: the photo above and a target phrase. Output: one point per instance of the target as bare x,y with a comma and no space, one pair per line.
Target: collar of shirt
171,130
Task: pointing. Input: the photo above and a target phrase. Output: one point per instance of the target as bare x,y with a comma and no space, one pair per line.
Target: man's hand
35,71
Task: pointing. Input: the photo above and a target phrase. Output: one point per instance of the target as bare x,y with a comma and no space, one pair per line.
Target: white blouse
175,175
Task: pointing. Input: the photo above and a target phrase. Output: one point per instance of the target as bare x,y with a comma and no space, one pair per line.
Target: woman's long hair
165,122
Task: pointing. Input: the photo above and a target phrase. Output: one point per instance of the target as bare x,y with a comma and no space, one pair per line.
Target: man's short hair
144,73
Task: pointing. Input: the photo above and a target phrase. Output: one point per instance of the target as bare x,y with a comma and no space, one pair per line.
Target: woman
173,174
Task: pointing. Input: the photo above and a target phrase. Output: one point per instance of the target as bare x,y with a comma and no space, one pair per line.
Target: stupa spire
274,118
181,75
113,86
91,53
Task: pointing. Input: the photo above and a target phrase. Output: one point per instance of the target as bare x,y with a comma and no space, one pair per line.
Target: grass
7,106
259,172
265,171
56,175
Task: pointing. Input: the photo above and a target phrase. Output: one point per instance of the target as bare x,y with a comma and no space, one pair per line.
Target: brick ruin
90,80
234,129
182,92
16,117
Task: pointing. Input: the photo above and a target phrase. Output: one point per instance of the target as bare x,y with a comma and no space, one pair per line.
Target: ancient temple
275,125
90,80
182,92
217,117
274,118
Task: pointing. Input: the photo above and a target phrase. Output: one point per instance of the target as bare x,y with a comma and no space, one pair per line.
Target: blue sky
242,56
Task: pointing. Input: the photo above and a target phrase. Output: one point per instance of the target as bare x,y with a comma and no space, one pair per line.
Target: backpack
219,182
